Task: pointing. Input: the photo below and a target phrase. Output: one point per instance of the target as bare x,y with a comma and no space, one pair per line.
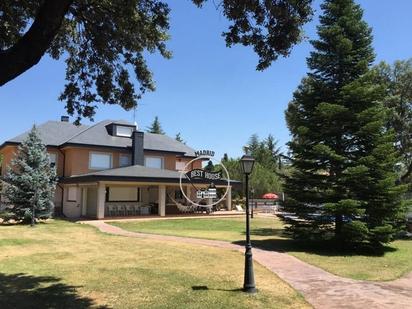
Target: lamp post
253,201
247,162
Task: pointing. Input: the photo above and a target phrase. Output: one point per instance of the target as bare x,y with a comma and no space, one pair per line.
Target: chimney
137,148
64,118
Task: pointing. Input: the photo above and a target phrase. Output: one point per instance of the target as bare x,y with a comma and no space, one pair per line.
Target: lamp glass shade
247,162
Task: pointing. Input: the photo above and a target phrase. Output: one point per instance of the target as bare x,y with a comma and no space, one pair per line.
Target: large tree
156,127
343,155
265,151
398,81
30,181
103,41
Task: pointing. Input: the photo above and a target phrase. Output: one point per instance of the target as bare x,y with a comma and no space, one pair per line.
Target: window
124,160
53,158
123,194
180,166
100,161
124,131
72,194
153,162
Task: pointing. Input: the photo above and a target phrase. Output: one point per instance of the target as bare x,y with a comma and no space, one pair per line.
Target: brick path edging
319,287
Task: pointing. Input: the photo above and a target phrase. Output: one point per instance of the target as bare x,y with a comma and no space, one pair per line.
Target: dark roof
53,133
57,133
133,173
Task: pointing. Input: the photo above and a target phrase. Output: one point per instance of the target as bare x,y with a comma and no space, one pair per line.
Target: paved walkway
320,288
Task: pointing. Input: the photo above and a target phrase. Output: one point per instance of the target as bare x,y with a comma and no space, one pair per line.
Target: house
110,169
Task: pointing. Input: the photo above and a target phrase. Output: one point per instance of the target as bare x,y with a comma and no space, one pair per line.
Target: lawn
68,265
267,233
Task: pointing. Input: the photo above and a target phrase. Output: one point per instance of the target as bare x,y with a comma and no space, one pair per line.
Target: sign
203,175
208,153
209,193
199,177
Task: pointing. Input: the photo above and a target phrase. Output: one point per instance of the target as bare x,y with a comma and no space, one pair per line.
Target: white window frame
155,157
123,134
183,165
91,153
55,154
69,197
129,160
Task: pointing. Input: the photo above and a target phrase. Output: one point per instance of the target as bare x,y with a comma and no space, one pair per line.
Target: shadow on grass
27,224
324,248
26,291
265,232
206,288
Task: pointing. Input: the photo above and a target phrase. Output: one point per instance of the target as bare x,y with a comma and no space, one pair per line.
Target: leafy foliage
342,179
30,180
155,127
398,81
264,177
264,151
104,43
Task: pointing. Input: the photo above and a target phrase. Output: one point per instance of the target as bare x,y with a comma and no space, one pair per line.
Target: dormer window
124,131
120,129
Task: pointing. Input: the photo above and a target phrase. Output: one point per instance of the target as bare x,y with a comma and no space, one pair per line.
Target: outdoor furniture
145,210
136,208
122,210
239,208
130,209
112,210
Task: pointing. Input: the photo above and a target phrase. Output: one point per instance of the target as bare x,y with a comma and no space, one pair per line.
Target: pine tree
155,127
342,155
253,145
179,138
264,151
30,180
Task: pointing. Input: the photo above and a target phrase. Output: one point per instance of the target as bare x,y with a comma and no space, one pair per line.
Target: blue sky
211,94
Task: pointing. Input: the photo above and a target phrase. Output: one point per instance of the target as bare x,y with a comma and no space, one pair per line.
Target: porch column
84,201
229,198
162,200
101,197
189,192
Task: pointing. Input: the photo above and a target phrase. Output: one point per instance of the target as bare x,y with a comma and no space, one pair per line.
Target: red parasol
270,196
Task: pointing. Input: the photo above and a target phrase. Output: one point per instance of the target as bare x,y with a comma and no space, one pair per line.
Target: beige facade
90,199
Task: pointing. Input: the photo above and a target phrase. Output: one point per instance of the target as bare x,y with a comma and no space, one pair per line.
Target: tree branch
404,178
31,47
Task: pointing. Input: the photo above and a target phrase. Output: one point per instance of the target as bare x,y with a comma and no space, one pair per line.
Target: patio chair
112,210
122,210
137,210
239,208
130,210
145,210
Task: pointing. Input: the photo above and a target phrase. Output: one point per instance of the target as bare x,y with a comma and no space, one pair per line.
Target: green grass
67,265
231,229
267,233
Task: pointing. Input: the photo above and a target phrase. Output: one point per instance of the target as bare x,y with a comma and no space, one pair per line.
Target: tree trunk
338,226
31,47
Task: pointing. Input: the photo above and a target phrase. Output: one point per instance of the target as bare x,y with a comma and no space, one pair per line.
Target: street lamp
246,163
253,201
